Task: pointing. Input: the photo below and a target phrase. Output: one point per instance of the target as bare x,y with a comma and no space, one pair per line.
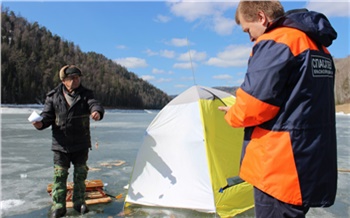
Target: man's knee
60,173
80,172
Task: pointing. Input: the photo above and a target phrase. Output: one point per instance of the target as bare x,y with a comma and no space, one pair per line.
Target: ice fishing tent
187,155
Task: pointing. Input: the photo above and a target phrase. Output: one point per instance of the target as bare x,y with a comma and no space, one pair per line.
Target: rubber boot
59,191
58,213
79,177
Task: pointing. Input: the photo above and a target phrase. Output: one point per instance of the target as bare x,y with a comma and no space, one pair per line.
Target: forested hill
31,57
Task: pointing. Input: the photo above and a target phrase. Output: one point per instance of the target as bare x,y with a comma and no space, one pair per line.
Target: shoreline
345,108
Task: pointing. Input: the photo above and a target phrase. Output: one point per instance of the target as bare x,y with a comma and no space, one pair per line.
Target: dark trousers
267,206
78,158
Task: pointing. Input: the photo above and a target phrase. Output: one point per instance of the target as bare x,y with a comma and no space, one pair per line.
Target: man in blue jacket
286,104
67,110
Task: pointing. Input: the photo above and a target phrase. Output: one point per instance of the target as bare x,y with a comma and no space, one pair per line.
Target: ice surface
27,166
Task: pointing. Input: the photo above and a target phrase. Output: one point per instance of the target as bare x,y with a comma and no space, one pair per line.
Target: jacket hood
314,24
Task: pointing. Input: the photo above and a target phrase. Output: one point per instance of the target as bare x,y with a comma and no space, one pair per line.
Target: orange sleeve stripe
249,111
269,165
295,39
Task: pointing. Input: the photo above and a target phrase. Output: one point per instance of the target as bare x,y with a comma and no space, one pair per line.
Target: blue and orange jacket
286,104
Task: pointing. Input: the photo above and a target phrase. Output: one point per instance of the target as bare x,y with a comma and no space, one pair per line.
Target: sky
171,44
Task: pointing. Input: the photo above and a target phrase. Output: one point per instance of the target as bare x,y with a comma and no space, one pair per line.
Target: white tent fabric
172,168
156,166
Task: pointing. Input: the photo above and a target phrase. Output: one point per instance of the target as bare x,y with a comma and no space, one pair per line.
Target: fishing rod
194,78
114,196
73,117
77,117
189,53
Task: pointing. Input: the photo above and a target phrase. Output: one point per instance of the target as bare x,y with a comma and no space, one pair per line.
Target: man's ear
262,18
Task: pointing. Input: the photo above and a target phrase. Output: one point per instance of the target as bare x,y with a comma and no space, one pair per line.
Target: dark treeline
31,57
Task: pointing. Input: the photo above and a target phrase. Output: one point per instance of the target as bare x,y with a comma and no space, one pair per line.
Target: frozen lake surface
26,165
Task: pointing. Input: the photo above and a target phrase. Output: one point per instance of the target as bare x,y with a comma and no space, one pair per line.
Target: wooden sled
94,193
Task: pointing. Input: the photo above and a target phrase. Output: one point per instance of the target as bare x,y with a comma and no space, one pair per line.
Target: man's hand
95,116
37,124
224,108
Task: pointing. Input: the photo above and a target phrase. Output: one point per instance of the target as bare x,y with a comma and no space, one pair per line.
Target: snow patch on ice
341,113
7,204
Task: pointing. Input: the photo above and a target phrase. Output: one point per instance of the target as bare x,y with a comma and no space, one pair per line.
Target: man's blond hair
249,10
